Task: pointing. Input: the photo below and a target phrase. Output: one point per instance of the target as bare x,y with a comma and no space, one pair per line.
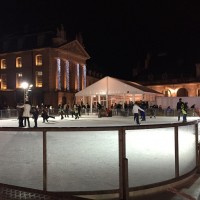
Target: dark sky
117,34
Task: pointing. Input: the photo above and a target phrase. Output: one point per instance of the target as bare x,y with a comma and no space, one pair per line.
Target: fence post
197,147
125,181
123,167
44,161
176,151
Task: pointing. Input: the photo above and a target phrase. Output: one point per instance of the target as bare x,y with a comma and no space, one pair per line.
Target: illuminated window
18,62
3,82
38,60
3,64
38,79
18,80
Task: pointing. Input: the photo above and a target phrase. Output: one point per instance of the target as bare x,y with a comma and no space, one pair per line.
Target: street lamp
26,88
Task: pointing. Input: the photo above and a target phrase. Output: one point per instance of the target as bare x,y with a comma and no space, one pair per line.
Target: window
38,78
38,60
3,64
3,82
18,80
18,62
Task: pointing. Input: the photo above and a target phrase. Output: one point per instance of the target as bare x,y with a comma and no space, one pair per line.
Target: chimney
60,37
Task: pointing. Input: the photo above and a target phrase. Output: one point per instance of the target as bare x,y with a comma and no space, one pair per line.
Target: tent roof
114,86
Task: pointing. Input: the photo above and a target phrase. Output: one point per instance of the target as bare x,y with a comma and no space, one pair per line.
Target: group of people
181,107
64,110
26,111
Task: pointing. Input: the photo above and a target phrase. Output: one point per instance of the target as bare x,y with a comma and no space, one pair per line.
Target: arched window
38,60
18,62
3,64
182,92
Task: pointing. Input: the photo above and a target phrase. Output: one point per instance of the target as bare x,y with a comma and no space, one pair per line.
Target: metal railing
13,113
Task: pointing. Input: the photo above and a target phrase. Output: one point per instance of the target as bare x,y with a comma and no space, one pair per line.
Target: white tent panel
117,87
113,86
96,88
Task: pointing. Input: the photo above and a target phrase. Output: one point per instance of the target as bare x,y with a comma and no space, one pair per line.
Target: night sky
117,34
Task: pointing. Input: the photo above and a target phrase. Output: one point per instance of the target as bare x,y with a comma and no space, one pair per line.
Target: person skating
76,113
35,113
184,108
136,109
179,109
45,115
20,111
26,113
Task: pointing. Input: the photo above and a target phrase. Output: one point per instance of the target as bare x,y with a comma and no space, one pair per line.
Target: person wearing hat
178,108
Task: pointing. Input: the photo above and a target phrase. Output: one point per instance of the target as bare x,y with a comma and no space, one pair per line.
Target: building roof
114,86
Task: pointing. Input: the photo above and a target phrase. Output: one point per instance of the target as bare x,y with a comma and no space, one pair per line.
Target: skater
184,108
35,112
20,111
26,113
179,109
76,113
45,115
136,109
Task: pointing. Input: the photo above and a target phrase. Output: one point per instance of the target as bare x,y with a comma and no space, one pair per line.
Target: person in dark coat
178,107
20,111
35,112
44,115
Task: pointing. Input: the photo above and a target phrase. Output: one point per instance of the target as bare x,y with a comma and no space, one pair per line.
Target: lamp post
26,88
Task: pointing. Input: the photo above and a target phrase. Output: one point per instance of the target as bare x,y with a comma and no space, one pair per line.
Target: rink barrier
124,190
12,113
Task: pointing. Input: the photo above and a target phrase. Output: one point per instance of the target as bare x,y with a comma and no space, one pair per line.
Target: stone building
55,66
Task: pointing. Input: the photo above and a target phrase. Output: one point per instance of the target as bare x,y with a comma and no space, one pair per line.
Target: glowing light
58,74
67,74
84,76
78,80
173,91
24,85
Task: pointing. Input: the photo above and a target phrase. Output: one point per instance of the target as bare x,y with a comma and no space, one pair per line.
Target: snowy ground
88,161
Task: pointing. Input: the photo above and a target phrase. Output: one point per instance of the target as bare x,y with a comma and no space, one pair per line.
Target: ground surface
189,191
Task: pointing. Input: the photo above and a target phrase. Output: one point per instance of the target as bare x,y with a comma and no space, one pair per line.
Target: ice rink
92,164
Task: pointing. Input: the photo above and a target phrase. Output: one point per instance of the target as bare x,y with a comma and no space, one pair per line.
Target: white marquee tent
112,87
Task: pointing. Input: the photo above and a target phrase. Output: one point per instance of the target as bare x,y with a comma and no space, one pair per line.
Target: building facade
178,90
55,67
